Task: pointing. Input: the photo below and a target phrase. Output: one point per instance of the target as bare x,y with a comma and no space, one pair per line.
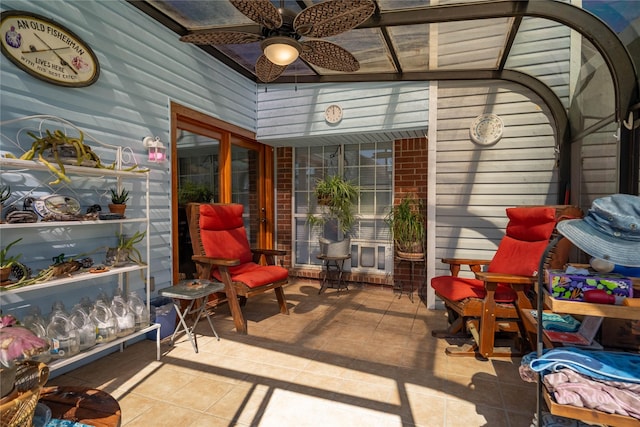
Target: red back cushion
517,257
528,234
222,232
531,224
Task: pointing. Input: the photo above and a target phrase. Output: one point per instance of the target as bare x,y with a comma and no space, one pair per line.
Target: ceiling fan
281,30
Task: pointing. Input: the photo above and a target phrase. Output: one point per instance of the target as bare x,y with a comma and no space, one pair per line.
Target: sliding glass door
215,162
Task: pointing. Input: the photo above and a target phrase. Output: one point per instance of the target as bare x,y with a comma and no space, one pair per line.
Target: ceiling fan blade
260,11
267,71
332,17
214,37
329,55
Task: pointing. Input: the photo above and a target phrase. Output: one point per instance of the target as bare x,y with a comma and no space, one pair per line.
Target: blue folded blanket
64,423
558,322
603,365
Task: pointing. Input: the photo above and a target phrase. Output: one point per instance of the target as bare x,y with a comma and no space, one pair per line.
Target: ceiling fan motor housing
286,29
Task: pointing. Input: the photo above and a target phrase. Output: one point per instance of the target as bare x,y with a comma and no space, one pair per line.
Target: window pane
369,166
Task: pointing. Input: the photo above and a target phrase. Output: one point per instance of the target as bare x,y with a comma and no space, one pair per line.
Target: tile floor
364,357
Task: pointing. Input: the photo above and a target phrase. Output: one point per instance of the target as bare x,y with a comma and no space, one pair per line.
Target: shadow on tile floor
355,358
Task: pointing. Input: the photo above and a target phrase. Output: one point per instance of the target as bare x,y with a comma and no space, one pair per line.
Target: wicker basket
19,406
412,256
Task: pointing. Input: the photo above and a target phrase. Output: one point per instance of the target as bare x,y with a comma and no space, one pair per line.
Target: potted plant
5,193
118,201
406,222
125,251
6,262
192,192
336,198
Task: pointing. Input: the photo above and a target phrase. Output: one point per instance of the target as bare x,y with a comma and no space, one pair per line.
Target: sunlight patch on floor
290,408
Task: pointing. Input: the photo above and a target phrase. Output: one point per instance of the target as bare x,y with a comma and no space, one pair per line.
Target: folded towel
558,322
604,365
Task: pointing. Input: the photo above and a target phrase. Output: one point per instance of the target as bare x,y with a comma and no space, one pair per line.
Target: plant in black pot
406,222
336,198
119,199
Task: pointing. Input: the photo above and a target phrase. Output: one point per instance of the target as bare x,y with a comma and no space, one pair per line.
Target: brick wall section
284,191
410,165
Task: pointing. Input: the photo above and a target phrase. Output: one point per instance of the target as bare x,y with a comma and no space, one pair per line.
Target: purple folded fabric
613,397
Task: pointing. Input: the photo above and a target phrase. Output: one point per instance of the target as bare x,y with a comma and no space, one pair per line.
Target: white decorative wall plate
486,129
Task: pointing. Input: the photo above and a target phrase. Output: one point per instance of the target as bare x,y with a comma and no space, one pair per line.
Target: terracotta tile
465,414
362,357
163,415
519,398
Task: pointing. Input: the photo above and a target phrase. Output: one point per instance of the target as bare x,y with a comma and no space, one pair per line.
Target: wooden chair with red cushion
222,252
491,302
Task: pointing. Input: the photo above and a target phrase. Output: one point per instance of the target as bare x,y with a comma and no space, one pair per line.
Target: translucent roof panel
197,15
543,42
594,97
542,49
412,44
471,44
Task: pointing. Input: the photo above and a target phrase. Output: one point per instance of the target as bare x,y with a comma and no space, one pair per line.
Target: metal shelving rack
116,176
579,308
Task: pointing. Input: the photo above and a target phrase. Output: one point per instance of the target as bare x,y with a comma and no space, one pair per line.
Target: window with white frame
370,167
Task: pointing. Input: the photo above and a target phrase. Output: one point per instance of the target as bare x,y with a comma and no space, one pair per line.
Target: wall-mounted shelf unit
41,239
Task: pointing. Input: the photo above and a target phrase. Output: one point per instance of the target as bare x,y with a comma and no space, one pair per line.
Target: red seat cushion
254,275
459,288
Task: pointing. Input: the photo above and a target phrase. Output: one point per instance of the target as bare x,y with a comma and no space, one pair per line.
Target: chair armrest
475,265
466,261
273,252
519,284
220,262
507,279
266,256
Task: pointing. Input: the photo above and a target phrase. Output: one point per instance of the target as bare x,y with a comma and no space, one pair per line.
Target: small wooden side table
333,264
196,291
83,405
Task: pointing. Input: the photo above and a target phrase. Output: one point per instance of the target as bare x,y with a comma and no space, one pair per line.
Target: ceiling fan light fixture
281,50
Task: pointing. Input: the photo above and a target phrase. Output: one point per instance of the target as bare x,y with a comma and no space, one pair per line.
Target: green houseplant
126,251
119,199
336,198
6,261
192,192
406,222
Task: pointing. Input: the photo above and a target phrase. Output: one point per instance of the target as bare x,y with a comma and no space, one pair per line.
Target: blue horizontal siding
143,67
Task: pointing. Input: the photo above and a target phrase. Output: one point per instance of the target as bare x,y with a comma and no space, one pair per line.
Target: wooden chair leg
282,301
483,331
487,324
234,305
528,331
